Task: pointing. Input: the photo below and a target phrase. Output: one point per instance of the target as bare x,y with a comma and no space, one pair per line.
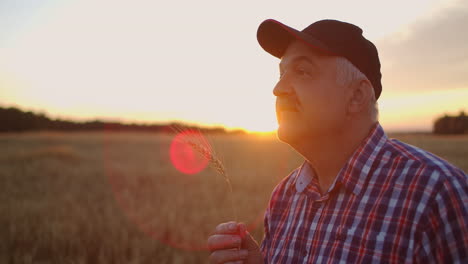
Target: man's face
310,103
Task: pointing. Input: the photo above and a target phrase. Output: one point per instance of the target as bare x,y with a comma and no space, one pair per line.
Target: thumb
248,242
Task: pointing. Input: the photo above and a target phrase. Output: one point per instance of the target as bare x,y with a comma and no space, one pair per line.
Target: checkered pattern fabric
390,203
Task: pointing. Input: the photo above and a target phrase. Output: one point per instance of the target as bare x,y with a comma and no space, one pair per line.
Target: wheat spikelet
203,147
213,161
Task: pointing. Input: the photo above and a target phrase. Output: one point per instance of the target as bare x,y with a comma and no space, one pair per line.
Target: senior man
359,197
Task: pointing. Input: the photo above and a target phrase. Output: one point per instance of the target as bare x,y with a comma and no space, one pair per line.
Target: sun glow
146,61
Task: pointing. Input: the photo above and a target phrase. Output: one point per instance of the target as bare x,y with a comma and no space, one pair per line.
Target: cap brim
274,37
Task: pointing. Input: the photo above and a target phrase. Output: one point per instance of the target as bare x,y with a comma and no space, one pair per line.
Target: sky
199,61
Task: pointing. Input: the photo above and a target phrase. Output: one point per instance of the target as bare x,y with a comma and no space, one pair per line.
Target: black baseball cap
331,37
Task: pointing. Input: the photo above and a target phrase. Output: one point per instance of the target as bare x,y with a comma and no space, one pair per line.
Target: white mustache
286,105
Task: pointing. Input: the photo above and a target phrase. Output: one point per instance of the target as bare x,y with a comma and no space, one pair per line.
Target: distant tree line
452,124
15,120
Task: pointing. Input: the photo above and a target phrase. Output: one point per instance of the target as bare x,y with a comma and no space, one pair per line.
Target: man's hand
232,243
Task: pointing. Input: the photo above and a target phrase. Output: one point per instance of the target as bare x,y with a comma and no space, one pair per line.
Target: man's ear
359,96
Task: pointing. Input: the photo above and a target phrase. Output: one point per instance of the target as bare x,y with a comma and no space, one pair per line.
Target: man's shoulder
436,195
426,163
421,157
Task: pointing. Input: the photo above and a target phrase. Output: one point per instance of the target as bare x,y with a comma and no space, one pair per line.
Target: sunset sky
199,61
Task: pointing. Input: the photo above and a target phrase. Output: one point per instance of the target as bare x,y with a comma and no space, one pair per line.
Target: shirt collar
304,177
355,172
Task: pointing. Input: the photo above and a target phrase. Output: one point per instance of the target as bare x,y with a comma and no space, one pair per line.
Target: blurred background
93,94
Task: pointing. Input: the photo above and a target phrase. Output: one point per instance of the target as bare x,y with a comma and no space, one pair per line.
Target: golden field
99,197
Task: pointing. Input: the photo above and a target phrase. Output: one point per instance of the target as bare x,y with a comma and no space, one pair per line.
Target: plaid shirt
390,203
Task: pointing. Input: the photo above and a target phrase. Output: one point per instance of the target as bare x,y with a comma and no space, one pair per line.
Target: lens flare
160,199
183,155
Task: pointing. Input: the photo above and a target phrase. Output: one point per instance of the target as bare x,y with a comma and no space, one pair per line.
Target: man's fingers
232,243
226,228
223,242
248,242
228,255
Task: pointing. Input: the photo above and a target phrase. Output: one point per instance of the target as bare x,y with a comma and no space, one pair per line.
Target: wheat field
106,197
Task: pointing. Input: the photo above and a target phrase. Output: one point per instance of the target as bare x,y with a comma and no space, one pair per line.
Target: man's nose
282,87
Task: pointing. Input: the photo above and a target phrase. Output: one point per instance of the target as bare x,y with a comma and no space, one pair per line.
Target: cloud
431,54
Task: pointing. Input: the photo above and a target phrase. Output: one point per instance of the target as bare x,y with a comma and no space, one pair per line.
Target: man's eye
297,70
300,71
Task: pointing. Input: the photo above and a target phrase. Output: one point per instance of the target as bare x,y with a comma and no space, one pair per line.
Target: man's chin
286,134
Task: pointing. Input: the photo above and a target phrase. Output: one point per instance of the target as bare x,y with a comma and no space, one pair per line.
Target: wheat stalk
203,147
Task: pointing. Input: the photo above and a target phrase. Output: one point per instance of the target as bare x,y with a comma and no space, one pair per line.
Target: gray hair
346,72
